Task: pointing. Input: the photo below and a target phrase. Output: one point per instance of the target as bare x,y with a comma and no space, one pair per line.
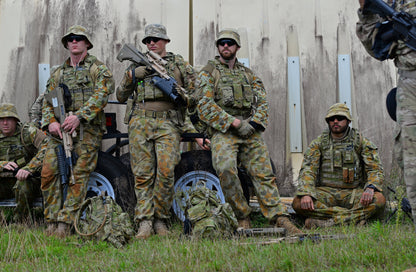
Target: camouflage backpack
101,218
207,216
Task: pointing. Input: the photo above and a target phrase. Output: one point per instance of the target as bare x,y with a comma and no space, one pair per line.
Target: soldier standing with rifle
235,108
85,83
22,148
156,120
405,60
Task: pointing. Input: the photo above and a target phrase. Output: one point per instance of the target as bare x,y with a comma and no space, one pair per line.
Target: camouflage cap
155,30
338,109
76,30
229,33
8,110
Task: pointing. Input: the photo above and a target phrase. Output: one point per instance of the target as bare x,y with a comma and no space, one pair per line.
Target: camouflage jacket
368,168
213,113
26,147
404,57
90,85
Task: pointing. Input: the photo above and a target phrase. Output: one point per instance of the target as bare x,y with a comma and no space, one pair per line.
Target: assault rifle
401,24
315,238
261,231
63,152
153,61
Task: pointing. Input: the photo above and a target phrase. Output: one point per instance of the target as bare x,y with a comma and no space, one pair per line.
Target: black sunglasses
151,39
338,117
229,42
77,38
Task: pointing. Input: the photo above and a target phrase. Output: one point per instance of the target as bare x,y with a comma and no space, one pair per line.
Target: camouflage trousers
229,149
406,138
24,191
55,209
342,205
154,153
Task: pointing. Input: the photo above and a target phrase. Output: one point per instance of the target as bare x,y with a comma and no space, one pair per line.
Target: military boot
244,223
145,229
311,223
161,228
50,229
291,229
63,230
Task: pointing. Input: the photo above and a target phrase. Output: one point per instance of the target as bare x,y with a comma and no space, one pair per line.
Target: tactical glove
245,130
141,72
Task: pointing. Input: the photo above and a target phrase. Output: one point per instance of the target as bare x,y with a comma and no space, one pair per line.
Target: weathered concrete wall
32,30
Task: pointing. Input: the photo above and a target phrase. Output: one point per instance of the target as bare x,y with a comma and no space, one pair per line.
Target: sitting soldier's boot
311,223
50,229
161,228
244,223
63,230
145,229
291,229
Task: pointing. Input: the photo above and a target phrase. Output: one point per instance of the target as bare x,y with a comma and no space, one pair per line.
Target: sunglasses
338,117
151,39
229,42
77,38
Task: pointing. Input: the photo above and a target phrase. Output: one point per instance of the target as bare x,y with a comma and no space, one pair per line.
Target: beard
339,130
228,55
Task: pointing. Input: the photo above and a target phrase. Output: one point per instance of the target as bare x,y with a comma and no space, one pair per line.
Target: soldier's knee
379,200
296,204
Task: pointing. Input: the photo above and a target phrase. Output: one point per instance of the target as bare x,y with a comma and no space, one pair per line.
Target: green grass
374,247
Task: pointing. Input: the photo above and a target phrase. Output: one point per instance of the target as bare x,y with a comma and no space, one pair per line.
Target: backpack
100,218
206,216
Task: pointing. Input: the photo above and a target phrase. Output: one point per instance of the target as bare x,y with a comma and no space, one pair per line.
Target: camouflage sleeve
365,29
35,163
372,164
126,87
104,86
48,116
308,174
35,113
209,111
261,115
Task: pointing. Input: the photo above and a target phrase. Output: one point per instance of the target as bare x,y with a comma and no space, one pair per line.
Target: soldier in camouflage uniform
405,61
341,175
155,126
89,83
235,108
22,148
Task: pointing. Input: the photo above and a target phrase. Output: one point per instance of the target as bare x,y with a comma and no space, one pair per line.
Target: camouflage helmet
228,33
8,110
76,30
155,30
338,109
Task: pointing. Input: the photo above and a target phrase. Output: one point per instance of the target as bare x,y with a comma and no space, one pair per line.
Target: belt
408,73
151,114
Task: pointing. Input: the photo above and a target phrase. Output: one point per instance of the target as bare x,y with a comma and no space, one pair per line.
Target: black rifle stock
153,61
403,25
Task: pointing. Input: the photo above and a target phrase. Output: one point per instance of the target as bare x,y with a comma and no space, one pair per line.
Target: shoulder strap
210,68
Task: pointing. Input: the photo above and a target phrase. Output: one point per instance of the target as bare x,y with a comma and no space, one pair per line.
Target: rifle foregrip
62,165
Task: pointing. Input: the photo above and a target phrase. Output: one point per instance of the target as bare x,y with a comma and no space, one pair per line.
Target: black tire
118,175
120,149
194,160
